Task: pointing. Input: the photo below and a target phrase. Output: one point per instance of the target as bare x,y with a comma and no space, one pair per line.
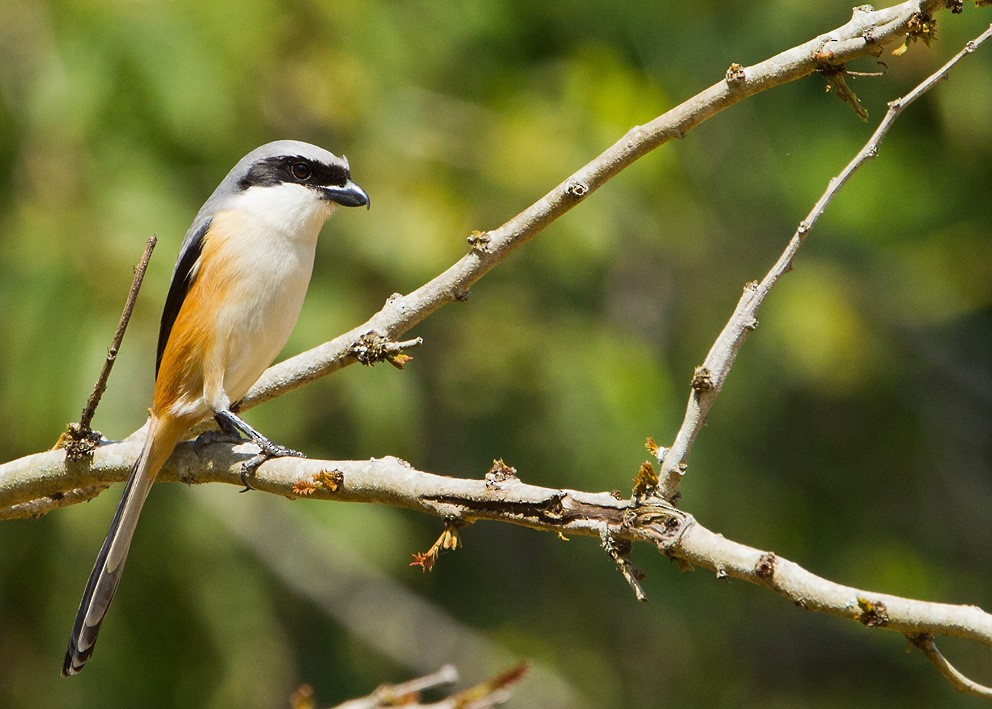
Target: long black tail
106,574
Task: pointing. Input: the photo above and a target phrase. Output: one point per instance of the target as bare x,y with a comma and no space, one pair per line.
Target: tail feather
106,573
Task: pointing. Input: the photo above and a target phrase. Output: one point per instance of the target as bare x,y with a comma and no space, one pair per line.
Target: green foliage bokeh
854,435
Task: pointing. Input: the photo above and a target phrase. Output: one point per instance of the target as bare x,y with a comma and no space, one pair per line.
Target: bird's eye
302,171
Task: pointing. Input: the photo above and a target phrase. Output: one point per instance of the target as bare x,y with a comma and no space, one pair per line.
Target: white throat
294,211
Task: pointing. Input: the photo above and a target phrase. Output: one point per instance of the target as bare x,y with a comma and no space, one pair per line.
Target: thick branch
505,498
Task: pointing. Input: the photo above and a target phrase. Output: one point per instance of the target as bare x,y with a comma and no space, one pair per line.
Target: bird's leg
227,427
227,433
228,420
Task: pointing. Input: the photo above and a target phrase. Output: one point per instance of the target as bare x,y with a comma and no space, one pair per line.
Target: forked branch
864,35
462,501
38,483
709,378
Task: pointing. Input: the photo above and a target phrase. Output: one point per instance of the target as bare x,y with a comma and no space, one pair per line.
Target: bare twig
390,694
619,552
927,646
709,378
490,693
132,296
79,439
41,506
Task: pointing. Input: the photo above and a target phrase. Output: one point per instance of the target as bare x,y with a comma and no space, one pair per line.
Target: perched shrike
236,291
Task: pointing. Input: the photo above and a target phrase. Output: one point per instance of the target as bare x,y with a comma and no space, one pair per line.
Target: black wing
182,279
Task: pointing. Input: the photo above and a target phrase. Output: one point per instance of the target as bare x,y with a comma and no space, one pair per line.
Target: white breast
269,239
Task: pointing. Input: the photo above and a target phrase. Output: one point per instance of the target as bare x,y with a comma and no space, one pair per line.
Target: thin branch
132,296
863,36
709,378
391,694
79,439
487,694
619,552
927,646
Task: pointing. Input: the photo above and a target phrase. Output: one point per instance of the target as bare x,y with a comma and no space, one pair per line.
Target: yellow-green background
854,435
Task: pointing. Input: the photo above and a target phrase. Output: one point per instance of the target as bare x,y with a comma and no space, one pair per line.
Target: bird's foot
268,450
209,437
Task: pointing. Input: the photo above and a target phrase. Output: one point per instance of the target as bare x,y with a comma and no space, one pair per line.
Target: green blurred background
854,435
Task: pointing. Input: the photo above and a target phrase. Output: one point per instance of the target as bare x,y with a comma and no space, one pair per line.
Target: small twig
926,644
372,348
101,384
619,551
490,693
447,674
389,695
709,378
79,439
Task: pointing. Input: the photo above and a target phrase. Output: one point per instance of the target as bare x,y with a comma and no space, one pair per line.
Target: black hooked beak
347,195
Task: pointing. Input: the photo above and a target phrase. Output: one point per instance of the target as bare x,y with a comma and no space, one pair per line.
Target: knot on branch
479,241
330,480
765,568
920,26
500,473
554,510
735,74
702,379
373,347
370,348
577,189
873,614
662,522
79,441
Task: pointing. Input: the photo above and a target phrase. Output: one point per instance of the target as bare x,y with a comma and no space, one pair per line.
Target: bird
236,291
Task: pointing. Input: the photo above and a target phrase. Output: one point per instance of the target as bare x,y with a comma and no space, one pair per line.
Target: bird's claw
267,450
209,437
